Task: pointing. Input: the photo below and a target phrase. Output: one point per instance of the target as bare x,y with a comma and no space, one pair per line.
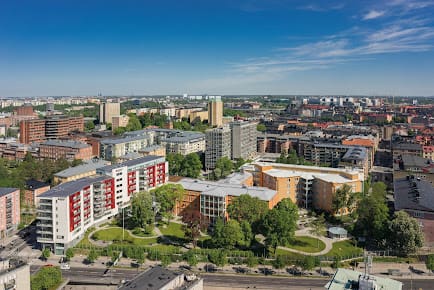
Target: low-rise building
9,210
212,198
119,121
348,279
84,170
184,142
307,186
33,189
69,150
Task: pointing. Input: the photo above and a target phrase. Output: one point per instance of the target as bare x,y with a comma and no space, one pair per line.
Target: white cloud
373,14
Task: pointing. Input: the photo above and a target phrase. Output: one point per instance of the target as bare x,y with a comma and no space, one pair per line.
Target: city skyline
217,47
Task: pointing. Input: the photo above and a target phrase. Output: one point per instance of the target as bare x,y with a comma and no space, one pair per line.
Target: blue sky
137,47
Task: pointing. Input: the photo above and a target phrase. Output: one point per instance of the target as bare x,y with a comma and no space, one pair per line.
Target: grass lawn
291,255
344,249
172,229
115,234
85,241
307,244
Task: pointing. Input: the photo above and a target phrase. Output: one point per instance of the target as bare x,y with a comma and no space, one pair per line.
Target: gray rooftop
130,162
61,143
355,153
407,146
413,194
153,279
224,189
345,279
68,188
6,190
91,165
416,161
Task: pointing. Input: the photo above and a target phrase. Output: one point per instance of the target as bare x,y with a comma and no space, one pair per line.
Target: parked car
65,266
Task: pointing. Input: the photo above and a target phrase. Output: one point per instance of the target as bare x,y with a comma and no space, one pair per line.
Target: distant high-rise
218,145
215,111
107,111
244,135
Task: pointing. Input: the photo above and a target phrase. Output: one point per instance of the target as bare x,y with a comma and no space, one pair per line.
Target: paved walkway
305,233
106,243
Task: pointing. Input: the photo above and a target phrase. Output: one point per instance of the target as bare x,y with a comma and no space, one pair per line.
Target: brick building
69,150
9,210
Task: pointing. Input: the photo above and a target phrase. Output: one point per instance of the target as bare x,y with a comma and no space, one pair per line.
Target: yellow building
84,170
215,111
307,186
201,115
119,121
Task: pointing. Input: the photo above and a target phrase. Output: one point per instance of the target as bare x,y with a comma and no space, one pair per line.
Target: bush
336,262
280,262
252,261
46,278
191,258
236,261
166,260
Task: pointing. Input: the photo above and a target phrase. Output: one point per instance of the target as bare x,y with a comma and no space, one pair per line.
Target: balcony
47,218
42,232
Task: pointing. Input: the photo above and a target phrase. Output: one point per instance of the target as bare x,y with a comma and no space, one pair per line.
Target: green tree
69,254
191,258
223,168
228,235
194,223
405,235
133,123
248,208
430,262
280,223
252,261
89,126
46,278
219,258
142,212
308,263
175,163
119,130
280,262
372,220
165,260
167,196
261,128
191,166
46,253
92,256
318,227
344,199
379,190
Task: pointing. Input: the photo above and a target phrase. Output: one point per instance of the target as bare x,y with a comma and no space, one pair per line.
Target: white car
65,266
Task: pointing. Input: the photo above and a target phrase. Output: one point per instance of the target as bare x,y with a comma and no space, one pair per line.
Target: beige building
215,111
307,186
107,111
14,275
119,121
198,115
84,170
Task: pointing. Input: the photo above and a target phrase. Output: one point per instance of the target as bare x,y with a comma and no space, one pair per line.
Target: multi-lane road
219,281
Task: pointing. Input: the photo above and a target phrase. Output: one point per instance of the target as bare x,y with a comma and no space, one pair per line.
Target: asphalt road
220,281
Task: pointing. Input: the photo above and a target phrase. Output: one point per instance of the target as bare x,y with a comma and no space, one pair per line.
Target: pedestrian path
305,233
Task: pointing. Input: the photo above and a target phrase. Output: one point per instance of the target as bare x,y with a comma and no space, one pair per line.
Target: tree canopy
223,168
405,235
249,209
142,212
188,166
280,223
167,196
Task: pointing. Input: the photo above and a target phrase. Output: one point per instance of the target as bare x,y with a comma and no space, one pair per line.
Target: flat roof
153,279
131,162
7,190
413,194
344,279
68,188
71,144
306,167
91,165
335,178
224,189
355,153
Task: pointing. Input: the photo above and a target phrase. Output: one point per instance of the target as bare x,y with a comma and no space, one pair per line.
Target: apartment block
32,131
215,111
14,275
243,140
53,127
66,211
119,121
218,145
307,186
107,111
184,142
69,150
84,170
33,189
59,126
212,198
9,210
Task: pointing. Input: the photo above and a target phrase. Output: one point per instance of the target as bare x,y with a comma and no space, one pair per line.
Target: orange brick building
70,150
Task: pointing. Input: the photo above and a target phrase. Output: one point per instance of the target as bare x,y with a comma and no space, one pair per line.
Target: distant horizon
306,47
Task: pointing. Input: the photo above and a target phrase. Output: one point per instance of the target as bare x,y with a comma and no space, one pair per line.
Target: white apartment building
218,145
66,211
